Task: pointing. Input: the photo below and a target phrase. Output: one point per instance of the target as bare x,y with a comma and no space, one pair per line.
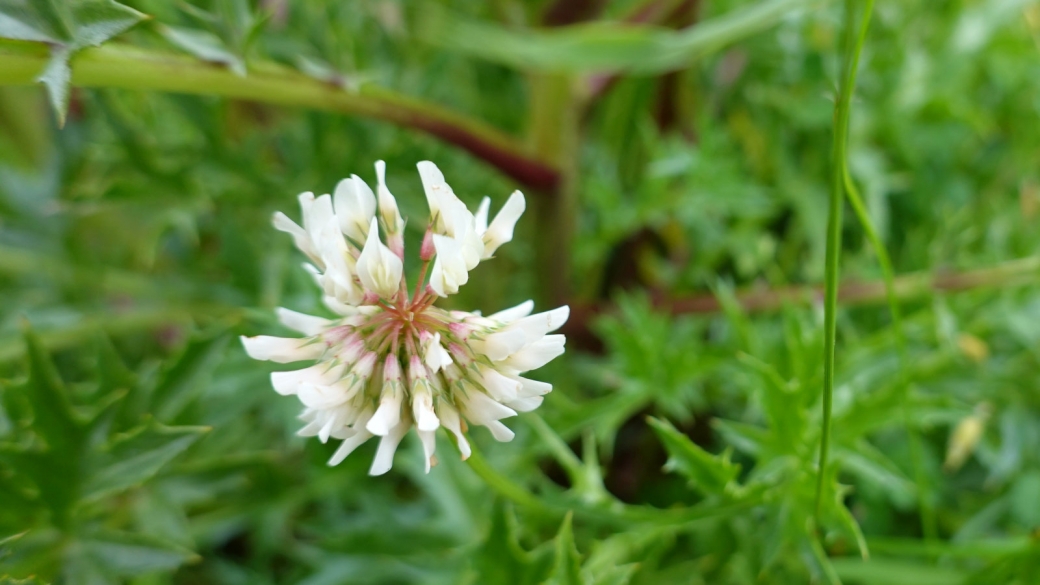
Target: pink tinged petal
500,345
286,383
480,220
512,314
531,388
537,354
449,418
482,409
526,404
379,268
500,387
429,444
501,229
281,349
306,324
536,326
384,459
355,207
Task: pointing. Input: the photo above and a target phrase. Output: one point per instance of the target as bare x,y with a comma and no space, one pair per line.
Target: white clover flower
393,361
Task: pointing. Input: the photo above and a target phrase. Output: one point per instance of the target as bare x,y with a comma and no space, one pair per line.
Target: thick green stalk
125,67
553,133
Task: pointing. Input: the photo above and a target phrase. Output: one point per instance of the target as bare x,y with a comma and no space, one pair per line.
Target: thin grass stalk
853,45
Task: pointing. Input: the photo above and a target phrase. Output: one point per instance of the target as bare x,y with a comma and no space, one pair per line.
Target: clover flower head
393,360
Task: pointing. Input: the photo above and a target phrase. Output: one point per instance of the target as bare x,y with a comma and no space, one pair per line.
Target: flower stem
122,66
852,47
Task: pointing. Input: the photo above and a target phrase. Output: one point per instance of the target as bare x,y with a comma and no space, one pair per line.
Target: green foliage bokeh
138,442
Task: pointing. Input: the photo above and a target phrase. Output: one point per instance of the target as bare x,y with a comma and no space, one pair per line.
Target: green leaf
67,27
566,568
1024,497
204,45
53,419
501,559
892,572
182,381
125,555
711,474
137,456
602,46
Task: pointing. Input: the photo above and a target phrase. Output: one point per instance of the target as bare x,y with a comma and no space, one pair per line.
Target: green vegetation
797,238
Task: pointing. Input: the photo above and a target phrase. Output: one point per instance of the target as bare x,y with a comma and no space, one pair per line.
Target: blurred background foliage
675,154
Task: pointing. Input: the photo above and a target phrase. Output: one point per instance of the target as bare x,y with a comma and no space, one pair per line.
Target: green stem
852,48
928,521
125,67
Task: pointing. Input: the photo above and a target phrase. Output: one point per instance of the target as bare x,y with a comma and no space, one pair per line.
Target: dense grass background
139,444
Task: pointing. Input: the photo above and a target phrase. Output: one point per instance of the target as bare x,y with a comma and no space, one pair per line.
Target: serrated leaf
602,46
125,555
67,27
52,416
566,568
137,456
711,474
179,383
204,45
501,559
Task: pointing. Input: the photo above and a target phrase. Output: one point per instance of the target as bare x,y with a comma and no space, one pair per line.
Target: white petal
355,207
536,354
500,345
378,268
449,268
347,447
536,326
286,383
482,409
422,408
387,203
500,431
449,418
429,444
387,416
314,396
435,356
480,219
352,442
512,314
339,307
301,238
531,388
282,349
499,386
306,324
384,459
433,183
316,212
501,229
526,404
